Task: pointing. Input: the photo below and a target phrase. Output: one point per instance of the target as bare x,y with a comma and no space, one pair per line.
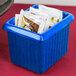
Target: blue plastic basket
38,52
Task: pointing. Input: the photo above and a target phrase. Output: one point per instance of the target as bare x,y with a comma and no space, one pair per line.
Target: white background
52,2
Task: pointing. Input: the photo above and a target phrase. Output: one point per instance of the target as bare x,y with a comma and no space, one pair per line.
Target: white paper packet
22,13
55,12
37,20
47,14
20,18
46,18
16,19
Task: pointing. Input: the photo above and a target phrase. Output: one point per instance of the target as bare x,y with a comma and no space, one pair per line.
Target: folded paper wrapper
37,21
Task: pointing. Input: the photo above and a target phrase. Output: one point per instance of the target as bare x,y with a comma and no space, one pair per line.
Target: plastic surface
38,52
5,5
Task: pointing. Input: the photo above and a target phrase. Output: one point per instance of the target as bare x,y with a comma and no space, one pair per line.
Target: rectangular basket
38,52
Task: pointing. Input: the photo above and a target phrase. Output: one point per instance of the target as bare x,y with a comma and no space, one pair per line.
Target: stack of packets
38,20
